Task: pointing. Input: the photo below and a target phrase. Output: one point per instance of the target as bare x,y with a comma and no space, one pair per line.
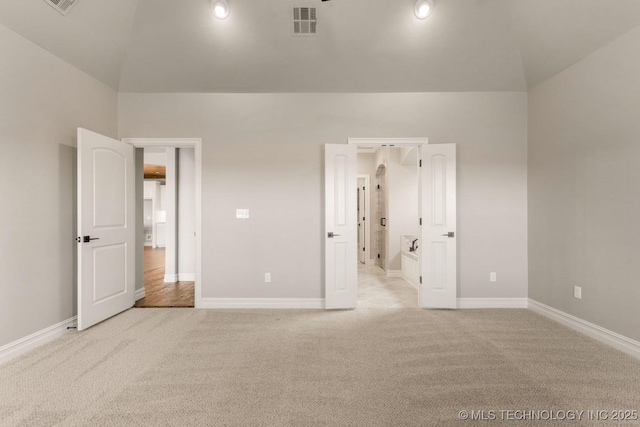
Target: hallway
376,290
158,293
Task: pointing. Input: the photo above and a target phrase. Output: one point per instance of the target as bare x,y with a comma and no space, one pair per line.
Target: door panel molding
438,260
341,226
106,227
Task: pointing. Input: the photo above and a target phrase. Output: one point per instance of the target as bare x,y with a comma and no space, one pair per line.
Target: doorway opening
169,267
436,264
386,277
159,293
169,248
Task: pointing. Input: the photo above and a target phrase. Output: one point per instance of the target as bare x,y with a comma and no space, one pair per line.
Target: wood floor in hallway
158,293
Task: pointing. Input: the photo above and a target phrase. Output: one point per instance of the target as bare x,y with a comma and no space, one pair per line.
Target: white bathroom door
438,260
106,227
340,234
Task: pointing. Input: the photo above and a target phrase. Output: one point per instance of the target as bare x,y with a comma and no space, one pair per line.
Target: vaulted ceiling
362,45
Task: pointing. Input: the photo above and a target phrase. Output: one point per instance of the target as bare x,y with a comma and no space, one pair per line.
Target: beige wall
43,101
402,208
584,181
186,214
265,152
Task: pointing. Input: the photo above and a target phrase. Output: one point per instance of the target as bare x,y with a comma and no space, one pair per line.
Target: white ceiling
94,36
554,34
362,46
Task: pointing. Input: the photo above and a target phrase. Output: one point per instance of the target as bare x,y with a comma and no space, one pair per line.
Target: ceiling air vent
62,6
305,22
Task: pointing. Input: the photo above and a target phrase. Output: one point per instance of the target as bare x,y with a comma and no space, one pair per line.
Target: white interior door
438,263
361,220
341,238
106,227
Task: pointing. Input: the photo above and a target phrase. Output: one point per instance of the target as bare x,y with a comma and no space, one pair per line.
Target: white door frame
388,142
196,144
367,216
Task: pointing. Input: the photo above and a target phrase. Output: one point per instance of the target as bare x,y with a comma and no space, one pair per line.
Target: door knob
449,234
331,235
86,239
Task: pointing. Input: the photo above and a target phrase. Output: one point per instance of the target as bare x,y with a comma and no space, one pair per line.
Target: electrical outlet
492,276
267,277
577,292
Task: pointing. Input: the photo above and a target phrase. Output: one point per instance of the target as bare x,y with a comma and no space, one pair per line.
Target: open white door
438,263
106,227
341,236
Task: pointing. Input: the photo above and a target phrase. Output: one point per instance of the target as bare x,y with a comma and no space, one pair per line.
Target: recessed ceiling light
423,8
220,8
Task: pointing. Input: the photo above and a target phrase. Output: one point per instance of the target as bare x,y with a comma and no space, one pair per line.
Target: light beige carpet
368,367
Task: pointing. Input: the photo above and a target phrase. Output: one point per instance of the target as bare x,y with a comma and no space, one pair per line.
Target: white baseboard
613,339
186,277
170,278
394,273
410,281
493,303
307,303
23,345
138,294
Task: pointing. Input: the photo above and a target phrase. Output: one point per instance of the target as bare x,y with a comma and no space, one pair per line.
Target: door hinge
362,249
420,162
378,186
420,279
378,256
420,221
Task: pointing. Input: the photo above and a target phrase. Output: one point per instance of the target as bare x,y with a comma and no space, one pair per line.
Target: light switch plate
242,213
